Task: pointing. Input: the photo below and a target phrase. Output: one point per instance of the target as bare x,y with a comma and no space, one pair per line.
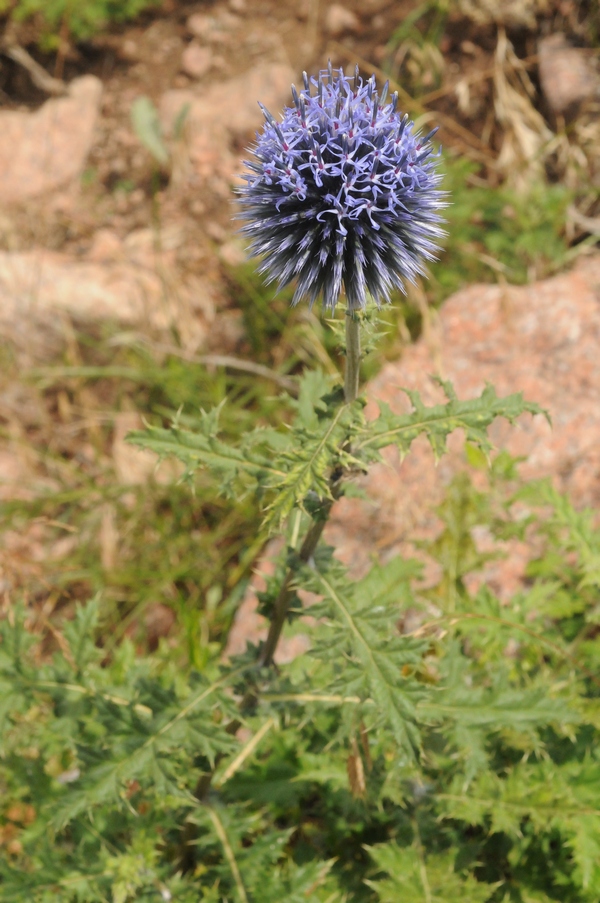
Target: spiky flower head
342,193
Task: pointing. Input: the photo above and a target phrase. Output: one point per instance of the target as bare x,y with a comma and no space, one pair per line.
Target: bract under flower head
342,193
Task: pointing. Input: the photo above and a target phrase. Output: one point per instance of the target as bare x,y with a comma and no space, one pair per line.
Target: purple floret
342,193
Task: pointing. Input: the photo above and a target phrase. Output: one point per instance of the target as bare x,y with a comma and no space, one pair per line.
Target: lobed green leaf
436,422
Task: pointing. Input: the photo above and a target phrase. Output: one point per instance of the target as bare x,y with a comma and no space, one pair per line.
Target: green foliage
378,665
192,553
379,767
83,741
456,759
281,468
146,125
495,230
438,421
82,17
432,880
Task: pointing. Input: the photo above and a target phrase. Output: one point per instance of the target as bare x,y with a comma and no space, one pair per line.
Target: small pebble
129,50
196,61
200,25
106,245
566,77
216,232
339,21
302,9
232,253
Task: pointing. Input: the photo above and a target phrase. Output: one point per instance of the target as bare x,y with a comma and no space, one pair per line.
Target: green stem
311,540
286,593
287,590
352,356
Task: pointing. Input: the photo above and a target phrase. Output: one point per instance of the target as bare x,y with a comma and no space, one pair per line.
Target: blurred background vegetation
168,567
525,198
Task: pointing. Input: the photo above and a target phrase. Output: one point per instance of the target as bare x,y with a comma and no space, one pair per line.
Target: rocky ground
76,181
95,234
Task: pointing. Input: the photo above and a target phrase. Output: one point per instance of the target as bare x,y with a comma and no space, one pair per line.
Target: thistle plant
382,765
342,196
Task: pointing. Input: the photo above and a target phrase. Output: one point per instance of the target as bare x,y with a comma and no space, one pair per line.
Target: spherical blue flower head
342,193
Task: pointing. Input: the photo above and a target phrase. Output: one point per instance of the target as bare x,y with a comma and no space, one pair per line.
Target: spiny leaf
360,634
308,462
544,796
286,466
80,635
419,879
577,527
438,421
147,749
313,388
202,449
496,707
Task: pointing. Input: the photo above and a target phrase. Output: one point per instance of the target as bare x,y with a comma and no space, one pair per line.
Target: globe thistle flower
342,194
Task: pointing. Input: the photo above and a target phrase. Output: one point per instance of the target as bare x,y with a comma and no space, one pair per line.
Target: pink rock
196,60
129,50
211,28
269,82
541,340
47,149
106,245
566,75
200,25
34,282
339,20
129,283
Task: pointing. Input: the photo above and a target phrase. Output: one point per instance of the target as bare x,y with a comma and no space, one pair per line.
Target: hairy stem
352,356
229,854
311,540
287,591
284,597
